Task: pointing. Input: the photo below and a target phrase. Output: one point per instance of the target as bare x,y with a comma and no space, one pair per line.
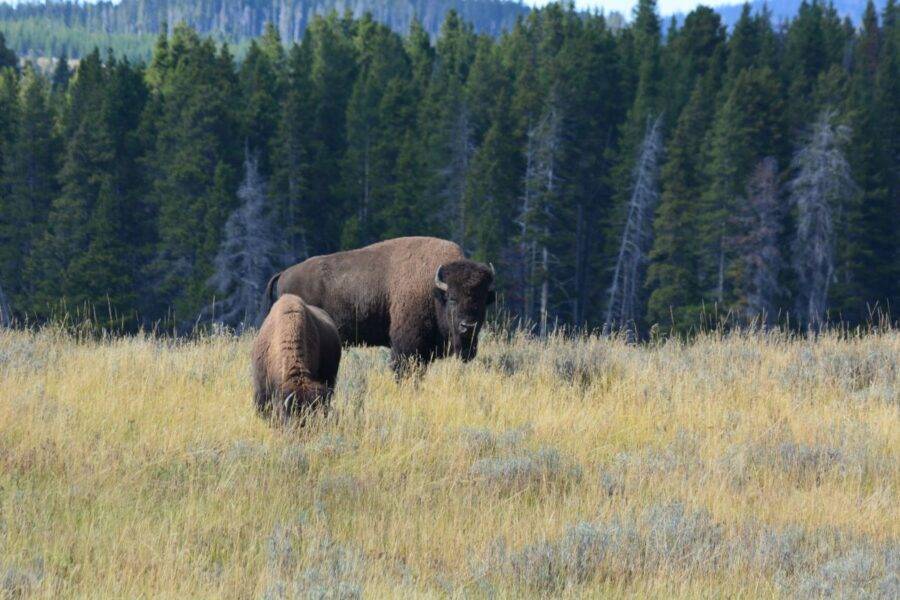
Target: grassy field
740,466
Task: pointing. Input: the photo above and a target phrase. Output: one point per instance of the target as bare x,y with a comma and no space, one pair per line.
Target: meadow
744,465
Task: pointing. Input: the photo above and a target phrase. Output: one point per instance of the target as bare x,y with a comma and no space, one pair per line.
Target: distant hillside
129,27
234,20
785,10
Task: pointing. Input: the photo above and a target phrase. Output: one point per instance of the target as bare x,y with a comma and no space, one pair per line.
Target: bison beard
295,359
419,296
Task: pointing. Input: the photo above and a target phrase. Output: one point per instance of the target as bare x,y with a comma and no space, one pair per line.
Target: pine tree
674,270
61,74
745,44
815,41
260,86
887,90
161,59
493,186
591,82
748,128
89,153
867,242
272,47
292,153
196,174
448,122
29,185
519,50
96,228
421,58
118,228
10,213
482,86
101,276
646,103
695,50
378,116
8,58
333,70
408,213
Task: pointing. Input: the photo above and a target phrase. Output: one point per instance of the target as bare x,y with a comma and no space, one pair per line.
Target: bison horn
439,281
493,273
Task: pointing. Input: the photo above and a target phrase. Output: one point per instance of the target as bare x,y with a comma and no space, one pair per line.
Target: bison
415,295
295,358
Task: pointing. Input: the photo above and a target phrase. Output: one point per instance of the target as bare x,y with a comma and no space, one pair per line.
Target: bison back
373,290
286,355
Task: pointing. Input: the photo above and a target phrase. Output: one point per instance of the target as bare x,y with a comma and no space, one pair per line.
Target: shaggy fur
385,295
295,358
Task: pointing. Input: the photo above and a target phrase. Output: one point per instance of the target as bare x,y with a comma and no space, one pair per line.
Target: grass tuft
306,563
545,466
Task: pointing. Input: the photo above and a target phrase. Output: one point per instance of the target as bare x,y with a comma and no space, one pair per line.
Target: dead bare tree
248,255
541,188
822,185
758,224
5,310
627,280
526,246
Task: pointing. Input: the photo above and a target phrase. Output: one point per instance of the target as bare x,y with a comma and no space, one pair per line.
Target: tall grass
751,466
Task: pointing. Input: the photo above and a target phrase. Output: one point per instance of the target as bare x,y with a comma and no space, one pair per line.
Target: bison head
463,289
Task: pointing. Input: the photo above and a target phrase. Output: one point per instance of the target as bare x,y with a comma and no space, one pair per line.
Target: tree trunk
720,275
364,212
580,259
545,289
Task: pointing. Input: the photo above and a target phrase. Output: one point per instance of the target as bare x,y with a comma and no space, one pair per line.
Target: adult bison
415,295
295,358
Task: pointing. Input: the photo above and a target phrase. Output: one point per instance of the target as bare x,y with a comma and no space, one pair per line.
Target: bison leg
407,364
262,399
326,400
412,348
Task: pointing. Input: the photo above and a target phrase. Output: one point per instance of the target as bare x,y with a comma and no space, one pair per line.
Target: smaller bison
295,359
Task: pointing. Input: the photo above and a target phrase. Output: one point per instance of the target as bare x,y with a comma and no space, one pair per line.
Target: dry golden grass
740,466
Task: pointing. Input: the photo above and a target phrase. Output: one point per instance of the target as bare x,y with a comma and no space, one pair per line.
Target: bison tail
271,294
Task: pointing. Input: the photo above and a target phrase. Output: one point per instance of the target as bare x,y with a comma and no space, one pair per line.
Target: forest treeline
611,177
36,38
41,28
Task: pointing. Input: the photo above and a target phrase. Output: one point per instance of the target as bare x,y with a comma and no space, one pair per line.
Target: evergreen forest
614,176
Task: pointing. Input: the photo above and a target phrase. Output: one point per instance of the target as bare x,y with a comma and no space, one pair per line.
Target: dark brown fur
385,295
295,357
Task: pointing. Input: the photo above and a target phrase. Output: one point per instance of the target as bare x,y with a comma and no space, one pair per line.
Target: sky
666,7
